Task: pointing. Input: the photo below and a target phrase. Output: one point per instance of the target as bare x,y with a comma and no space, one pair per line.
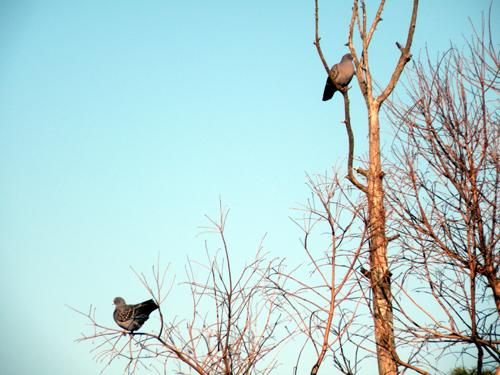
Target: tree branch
317,38
403,58
350,136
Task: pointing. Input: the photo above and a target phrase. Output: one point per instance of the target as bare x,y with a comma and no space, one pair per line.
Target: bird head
119,301
347,57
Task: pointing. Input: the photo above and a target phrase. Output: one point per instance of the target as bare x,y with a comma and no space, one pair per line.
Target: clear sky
121,124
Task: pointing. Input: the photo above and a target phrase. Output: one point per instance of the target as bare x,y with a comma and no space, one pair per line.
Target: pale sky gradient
121,124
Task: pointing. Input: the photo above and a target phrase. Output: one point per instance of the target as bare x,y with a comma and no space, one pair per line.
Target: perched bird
342,74
132,317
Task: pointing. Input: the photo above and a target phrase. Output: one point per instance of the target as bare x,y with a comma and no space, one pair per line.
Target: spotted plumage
132,317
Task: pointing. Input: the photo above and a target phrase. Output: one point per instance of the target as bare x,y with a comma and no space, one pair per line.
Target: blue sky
122,123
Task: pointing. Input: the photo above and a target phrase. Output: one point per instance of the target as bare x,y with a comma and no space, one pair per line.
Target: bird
342,74
132,317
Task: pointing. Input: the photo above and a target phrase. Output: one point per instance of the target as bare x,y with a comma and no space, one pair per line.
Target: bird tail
329,90
146,307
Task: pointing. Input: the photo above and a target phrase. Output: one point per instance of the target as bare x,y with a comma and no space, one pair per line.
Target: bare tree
325,301
373,188
438,291
233,327
445,197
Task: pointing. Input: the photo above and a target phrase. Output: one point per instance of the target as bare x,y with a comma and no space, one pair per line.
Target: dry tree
369,181
445,196
323,297
234,326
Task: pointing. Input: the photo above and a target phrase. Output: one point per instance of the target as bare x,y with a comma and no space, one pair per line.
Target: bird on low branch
132,317
341,74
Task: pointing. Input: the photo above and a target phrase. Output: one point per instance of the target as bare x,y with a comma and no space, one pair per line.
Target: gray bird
132,317
342,74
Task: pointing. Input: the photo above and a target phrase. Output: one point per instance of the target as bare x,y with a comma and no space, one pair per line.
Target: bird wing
344,73
124,313
330,86
124,317
334,72
132,317
145,308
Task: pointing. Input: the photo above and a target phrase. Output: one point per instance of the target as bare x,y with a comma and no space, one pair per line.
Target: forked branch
403,58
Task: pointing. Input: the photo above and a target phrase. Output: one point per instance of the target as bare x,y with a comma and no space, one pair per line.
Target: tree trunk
380,275
495,286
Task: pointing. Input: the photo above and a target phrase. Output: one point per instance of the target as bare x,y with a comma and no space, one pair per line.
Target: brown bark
388,360
444,193
495,286
379,273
